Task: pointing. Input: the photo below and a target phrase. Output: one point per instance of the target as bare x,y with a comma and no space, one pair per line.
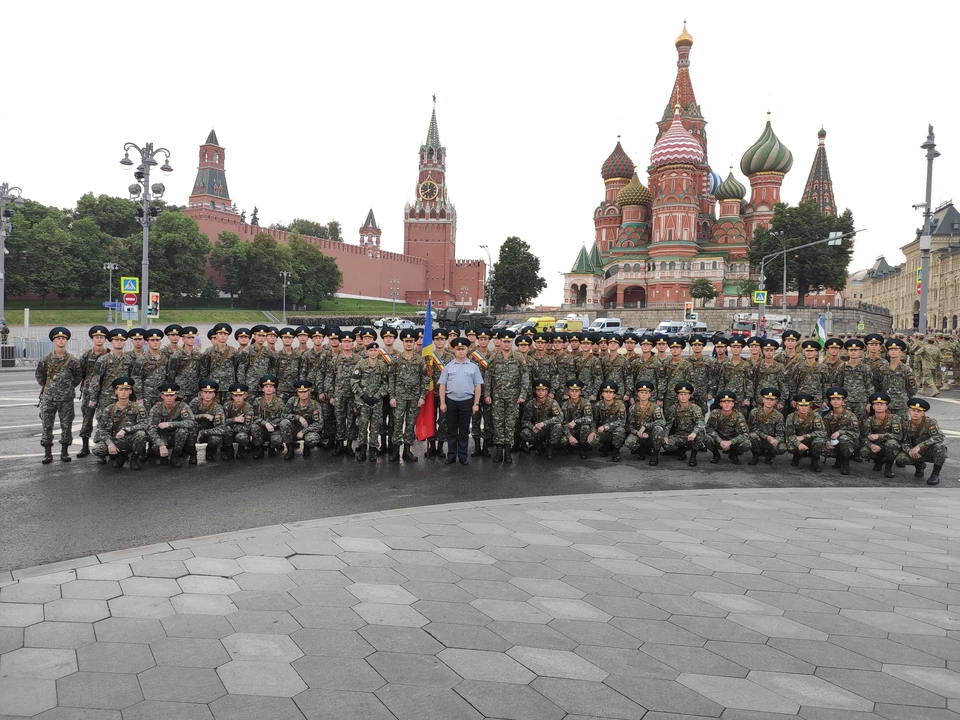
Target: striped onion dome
713,182
730,189
767,154
634,193
676,145
618,165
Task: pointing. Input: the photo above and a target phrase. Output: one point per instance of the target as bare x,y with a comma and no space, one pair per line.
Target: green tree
91,247
255,218
231,258
703,290
53,266
815,268
23,274
263,286
334,231
113,216
178,256
745,288
309,228
316,276
516,279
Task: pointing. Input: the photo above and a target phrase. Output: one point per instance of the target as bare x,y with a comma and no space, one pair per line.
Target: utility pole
931,147
285,274
110,267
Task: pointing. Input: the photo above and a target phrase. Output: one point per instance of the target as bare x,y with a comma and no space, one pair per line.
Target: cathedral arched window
663,265
673,265
714,265
703,266
626,268
216,156
636,267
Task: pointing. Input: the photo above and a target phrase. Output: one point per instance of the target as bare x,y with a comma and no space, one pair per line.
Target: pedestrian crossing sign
760,297
130,285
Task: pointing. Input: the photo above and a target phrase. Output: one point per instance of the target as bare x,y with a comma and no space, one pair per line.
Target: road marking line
14,457
946,400
31,404
16,427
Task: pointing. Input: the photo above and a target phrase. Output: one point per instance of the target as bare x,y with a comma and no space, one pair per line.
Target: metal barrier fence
21,351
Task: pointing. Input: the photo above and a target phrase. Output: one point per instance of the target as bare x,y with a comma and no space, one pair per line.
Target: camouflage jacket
232,411
808,429
899,383
767,422
846,423
311,412
545,368
890,429
506,378
112,418
859,383
566,369
373,380
647,417
339,376
738,378
831,371
148,372
700,374
179,417
109,367
769,376
435,365
685,420
808,379
409,378
185,369
580,413
287,369
927,434
617,369
589,371
88,362
58,377
268,411
546,411
610,417
648,370
220,366
219,421
730,427
254,363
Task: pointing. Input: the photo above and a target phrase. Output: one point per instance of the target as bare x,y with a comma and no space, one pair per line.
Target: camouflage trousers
815,447
615,437
89,414
344,412
132,443
175,440
329,414
927,378
504,413
889,449
678,441
241,437
843,449
649,445
739,446
213,437
405,417
551,435
485,415
311,439
51,409
936,454
369,422
761,445
282,432
580,433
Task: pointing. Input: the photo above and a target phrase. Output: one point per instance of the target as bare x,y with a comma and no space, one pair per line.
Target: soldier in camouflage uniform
149,370
685,429
832,364
210,417
895,378
922,442
219,362
804,431
577,419
736,375
858,380
121,428
768,372
270,424
506,387
370,384
256,361
610,418
388,354
108,368
843,430
88,361
788,355
185,366
809,377
566,363
481,424
882,433
541,420
931,374
700,373
58,375
173,333
587,366
339,390
170,425
676,370
726,431
646,367
137,337
303,342
946,359
305,417
543,365
409,382
766,427
239,422
616,367
645,424
875,352
286,365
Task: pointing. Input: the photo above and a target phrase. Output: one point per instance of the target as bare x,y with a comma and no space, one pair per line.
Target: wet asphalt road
68,510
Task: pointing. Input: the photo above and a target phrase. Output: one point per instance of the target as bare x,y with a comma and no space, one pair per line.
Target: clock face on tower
428,189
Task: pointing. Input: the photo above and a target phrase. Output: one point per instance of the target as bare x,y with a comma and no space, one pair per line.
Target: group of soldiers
309,387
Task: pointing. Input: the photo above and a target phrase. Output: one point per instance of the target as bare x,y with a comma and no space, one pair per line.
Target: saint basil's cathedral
652,242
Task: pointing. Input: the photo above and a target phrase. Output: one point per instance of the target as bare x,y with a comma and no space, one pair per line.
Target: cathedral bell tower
210,187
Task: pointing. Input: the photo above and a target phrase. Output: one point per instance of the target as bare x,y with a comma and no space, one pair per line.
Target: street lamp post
931,147
394,292
285,274
7,194
487,295
110,267
146,214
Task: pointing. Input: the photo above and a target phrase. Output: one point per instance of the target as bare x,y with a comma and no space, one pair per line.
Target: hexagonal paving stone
58,635
71,610
115,657
10,639
383,614
105,571
340,643
261,678
408,702
262,647
208,585
20,614
196,604
251,707
43,663
91,589
409,669
107,691
177,684
338,673
159,710
502,700
557,663
159,568
23,696
485,665
128,630
266,600
248,621
189,652
150,586
389,594
135,606
221,567
29,593
197,626
268,565
362,545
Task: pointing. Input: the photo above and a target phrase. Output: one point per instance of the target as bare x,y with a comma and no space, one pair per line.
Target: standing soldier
339,391
895,378
788,355
577,419
88,407
388,353
256,361
109,367
630,355
481,425
121,428
766,427
858,380
736,375
325,371
506,386
408,385
239,422
370,385
565,362
170,425
843,430
243,336
809,377
726,431
931,367
272,335
946,359
804,431
832,363
541,421
174,333
675,370
219,362
922,442
543,365
210,417
149,370
587,367
58,375
645,424
185,366
768,372
270,424
685,429
137,337
882,434
647,368
615,367
874,358
287,365
611,421
303,340
700,372
305,417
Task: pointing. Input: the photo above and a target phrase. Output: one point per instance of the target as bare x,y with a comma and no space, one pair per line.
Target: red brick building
428,265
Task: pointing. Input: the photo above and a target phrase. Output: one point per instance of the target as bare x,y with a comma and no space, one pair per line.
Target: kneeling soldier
726,430
766,427
685,428
306,417
541,421
882,433
922,441
577,419
611,421
645,424
270,425
121,428
843,430
239,422
171,424
804,432
211,422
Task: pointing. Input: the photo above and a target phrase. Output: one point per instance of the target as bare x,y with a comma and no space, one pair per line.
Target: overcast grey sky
322,107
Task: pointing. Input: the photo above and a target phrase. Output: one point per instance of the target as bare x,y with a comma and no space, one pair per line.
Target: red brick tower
210,187
430,222
370,235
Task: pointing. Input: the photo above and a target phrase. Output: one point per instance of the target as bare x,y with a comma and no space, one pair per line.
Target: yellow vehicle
569,325
542,324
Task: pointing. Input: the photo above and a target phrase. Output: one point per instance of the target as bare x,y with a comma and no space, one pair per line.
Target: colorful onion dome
634,193
676,145
618,165
731,188
822,133
685,39
767,154
713,182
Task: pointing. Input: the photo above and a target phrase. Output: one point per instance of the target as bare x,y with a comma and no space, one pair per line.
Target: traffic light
687,309
153,307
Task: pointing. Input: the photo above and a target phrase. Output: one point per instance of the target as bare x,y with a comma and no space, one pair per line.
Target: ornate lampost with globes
7,195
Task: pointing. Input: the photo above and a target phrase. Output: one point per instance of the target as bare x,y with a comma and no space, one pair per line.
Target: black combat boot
210,454
715,460
525,448
615,455
100,460
655,458
693,458
271,450
877,463
288,455
134,461
47,454
65,453
815,464
174,460
193,455
796,460
477,448
888,469
507,454
440,449
857,457
682,455
348,449
769,460
920,467
735,458
306,449
361,454
844,466
258,452
394,453
227,451
486,448
603,449
583,450
241,451
371,455
754,459
338,449
384,448
498,457
407,455
934,478
119,459
85,450
549,452
431,450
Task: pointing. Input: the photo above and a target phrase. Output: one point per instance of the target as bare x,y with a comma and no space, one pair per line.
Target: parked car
388,321
607,324
502,325
621,331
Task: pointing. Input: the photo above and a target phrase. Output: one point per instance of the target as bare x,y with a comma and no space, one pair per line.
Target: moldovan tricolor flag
425,426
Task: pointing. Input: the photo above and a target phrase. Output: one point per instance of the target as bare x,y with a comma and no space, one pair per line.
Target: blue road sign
112,305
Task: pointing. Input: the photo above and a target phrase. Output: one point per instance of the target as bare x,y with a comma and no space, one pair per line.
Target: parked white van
604,325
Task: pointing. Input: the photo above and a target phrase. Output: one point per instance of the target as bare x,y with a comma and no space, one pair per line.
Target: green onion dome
730,189
634,193
767,154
